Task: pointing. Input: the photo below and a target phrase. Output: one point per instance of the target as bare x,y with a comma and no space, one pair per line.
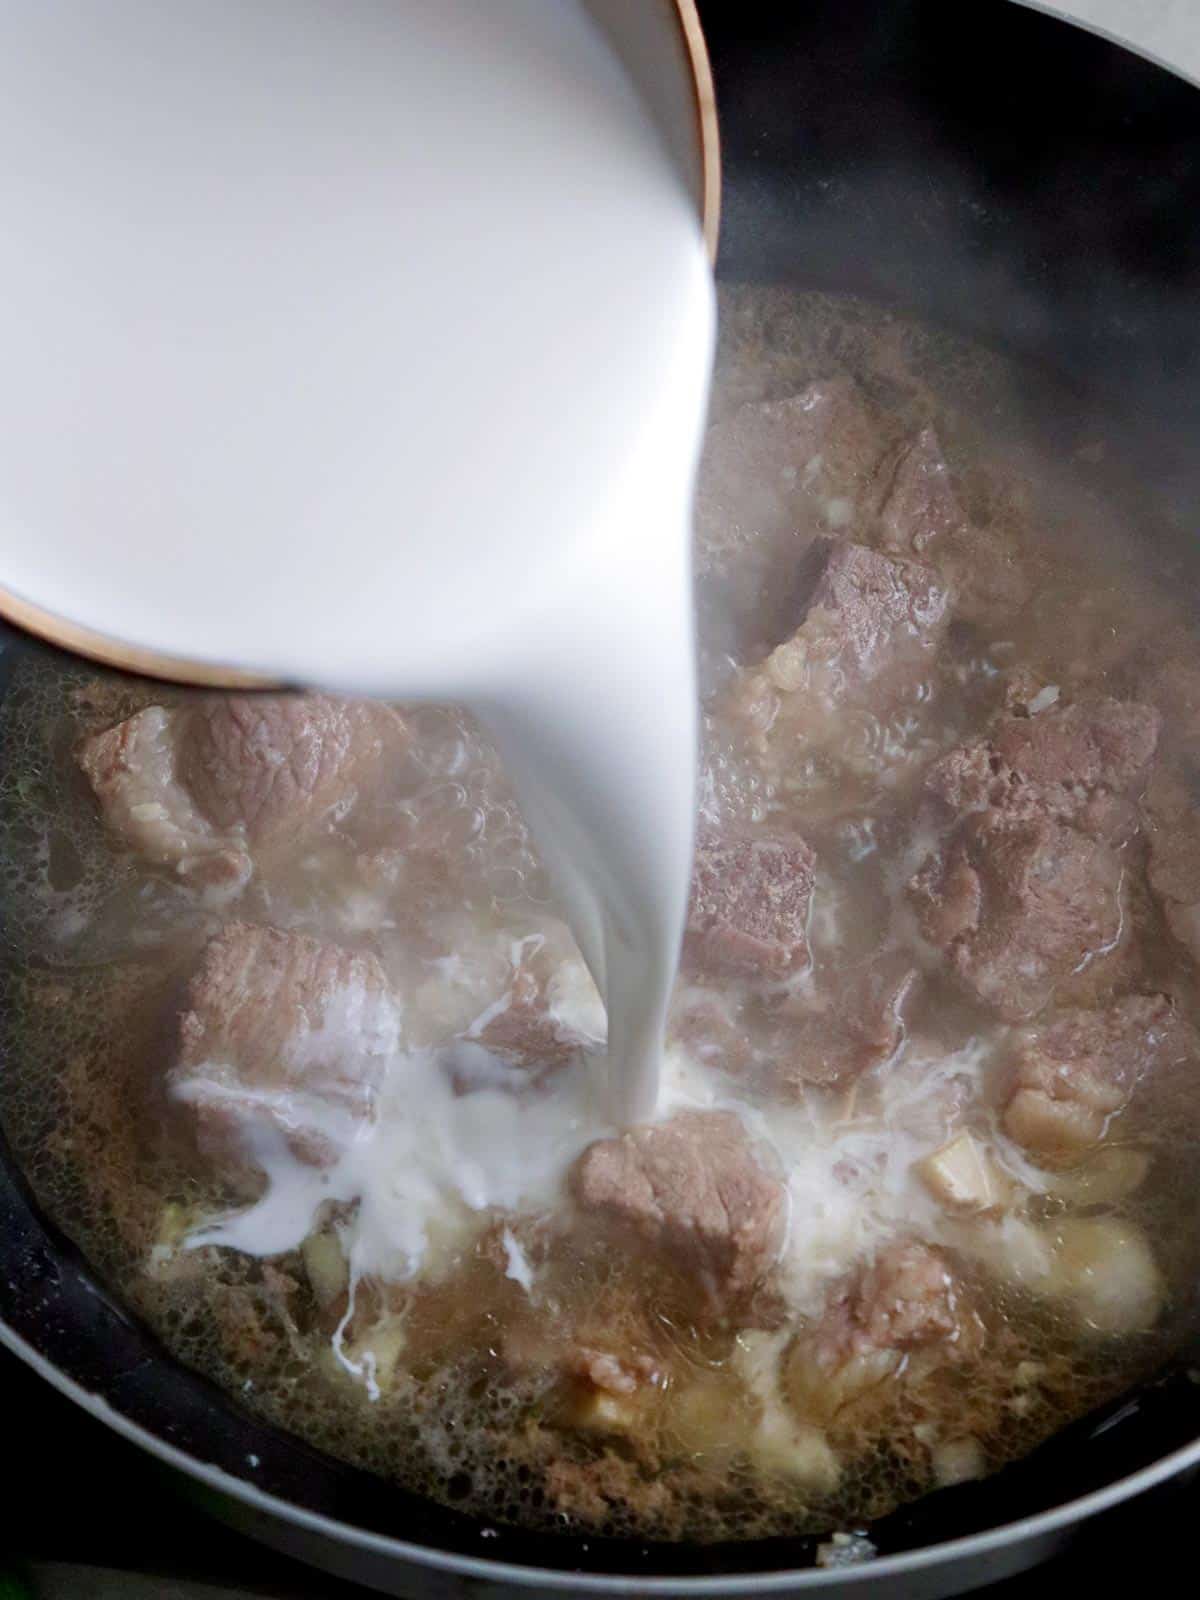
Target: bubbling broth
303,1057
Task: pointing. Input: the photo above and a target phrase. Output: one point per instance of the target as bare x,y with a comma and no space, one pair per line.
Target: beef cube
906,1297
825,1033
133,770
748,915
777,466
844,687
1173,831
1017,906
919,503
831,1036
693,1188
920,514
1072,1076
206,788
904,1312
1084,764
1028,888
283,1041
1088,761
274,764
773,475
868,614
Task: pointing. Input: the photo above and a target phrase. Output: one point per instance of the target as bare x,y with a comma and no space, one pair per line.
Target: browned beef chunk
272,764
1173,832
921,513
1027,888
919,503
1017,906
903,1312
879,606
283,1039
841,689
780,465
773,476
1072,1076
868,614
850,1023
693,1188
206,787
133,769
748,915
1082,765
904,1298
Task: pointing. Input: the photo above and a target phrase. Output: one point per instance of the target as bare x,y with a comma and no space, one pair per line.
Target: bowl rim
123,656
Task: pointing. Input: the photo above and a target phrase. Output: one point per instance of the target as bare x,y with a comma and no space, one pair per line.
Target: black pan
998,172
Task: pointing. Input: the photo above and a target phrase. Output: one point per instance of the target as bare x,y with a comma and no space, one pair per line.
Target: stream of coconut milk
366,345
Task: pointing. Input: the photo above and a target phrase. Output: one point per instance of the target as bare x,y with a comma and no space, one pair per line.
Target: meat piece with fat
906,1297
1072,1076
871,625
919,503
211,787
922,514
750,901
825,1032
777,466
868,614
774,475
283,1043
902,1313
695,1189
1018,906
1026,888
847,1024
1085,764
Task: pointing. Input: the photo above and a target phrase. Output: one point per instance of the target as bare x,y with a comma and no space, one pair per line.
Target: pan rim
346,1534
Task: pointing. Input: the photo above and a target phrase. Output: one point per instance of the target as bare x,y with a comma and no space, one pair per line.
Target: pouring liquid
367,346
